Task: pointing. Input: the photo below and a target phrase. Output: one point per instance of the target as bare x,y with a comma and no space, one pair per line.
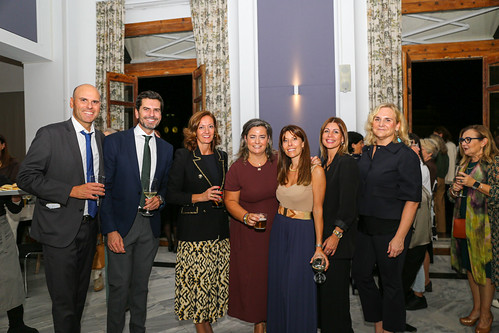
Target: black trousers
67,271
334,298
387,306
413,261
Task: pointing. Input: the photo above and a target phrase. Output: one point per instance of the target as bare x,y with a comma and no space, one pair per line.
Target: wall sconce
296,89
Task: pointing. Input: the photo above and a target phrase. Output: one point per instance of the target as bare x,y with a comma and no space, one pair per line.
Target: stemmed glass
318,265
460,194
150,191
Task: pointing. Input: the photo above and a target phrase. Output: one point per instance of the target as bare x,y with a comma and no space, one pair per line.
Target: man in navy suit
133,158
60,168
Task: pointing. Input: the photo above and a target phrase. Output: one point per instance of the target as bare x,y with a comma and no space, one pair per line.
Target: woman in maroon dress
250,189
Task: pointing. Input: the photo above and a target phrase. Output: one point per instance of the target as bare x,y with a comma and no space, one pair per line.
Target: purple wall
19,17
296,46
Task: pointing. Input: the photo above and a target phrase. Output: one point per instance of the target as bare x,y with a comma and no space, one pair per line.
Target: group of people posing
354,213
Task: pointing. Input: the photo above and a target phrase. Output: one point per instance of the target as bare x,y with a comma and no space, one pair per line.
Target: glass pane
494,74
120,91
121,117
494,113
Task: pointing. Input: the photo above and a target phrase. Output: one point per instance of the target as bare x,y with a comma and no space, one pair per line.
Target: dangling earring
398,138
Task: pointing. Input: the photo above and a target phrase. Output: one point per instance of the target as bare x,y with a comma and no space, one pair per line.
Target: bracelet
318,245
245,218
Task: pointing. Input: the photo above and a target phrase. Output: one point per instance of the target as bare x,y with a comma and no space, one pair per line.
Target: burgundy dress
249,248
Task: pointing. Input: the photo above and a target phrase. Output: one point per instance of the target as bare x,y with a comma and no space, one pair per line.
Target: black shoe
22,329
410,328
170,246
428,288
416,303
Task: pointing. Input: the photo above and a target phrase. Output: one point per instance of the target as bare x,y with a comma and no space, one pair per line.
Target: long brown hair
304,166
190,135
489,150
343,149
5,157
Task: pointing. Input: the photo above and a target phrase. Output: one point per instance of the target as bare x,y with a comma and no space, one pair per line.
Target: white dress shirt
139,145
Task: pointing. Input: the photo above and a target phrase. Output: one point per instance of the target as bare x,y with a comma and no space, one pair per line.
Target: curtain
209,21
110,56
385,52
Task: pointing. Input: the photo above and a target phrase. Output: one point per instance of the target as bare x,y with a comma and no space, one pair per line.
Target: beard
147,125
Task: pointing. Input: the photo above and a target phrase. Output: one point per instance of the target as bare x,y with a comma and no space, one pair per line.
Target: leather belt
294,214
87,218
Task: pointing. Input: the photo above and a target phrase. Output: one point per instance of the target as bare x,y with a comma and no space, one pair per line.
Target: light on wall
296,89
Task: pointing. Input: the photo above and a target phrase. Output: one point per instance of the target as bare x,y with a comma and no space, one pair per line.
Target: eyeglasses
468,139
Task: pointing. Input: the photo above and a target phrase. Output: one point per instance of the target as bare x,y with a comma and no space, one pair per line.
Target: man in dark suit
59,169
133,159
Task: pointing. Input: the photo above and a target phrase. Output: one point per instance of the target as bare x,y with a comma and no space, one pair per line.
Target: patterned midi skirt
202,280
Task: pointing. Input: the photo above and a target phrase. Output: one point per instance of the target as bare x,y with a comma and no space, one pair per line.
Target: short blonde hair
430,146
489,149
402,134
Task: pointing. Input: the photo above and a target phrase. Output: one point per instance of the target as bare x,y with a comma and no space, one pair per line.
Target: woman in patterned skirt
249,191
196,179
471,250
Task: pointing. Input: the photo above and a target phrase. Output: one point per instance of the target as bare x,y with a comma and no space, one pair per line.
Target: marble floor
450,299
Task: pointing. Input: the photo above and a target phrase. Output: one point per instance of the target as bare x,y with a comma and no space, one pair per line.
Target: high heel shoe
485,329
468,321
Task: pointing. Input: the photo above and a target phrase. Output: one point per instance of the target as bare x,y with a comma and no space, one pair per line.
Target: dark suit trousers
128,277
334,298
413,261
67,271
387,306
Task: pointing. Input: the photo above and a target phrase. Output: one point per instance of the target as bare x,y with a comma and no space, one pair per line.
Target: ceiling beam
11,61
158,27
423,6
161,68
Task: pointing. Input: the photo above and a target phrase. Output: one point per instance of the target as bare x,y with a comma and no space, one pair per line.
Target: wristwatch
476,185
337,233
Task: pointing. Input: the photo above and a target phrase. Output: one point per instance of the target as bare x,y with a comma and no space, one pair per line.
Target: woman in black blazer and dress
340,226
202,269
390,192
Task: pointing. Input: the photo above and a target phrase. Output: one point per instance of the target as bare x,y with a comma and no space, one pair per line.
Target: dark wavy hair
5,157
149,94
343,149
284,162
243,146
190,135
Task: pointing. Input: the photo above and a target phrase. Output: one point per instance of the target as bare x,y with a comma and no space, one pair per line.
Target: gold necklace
259,167
291,169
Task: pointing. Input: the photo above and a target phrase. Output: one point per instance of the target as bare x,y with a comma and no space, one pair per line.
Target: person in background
59,170
355,144
390,192
451,173
9,166
340,225
471,246
442,162
196,182
292,293
250,189
12,294
493,210
134,159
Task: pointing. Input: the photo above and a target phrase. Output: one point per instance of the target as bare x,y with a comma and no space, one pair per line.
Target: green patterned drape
385,52
110,56
209,20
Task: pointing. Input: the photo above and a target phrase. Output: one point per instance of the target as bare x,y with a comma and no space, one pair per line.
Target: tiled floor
449,300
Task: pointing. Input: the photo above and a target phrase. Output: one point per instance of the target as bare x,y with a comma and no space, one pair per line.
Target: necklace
259,167
291,169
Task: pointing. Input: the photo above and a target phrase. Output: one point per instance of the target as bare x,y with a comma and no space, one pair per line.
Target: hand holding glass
99,179
319,265
262,221
150,192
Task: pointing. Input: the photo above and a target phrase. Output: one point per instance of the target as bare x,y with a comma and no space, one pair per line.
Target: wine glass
460,193
218,203
150,190
318,265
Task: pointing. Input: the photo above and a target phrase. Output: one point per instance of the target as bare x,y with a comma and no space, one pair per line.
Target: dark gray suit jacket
51,168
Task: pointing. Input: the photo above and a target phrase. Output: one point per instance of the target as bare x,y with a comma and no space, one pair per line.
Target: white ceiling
450,26
172,46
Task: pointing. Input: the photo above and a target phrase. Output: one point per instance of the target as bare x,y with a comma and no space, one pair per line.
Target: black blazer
188,176
340,203
52,166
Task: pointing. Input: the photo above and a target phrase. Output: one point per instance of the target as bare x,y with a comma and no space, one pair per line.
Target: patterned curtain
385,52
209,20
110,56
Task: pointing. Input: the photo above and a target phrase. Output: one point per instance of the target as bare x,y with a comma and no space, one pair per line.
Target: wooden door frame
160,68
443,51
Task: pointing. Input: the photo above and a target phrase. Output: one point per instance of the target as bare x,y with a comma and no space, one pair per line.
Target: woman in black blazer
390,192
340,226
195,182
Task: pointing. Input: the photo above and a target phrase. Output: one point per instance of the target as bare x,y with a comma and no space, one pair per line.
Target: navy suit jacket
51,168
123,187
